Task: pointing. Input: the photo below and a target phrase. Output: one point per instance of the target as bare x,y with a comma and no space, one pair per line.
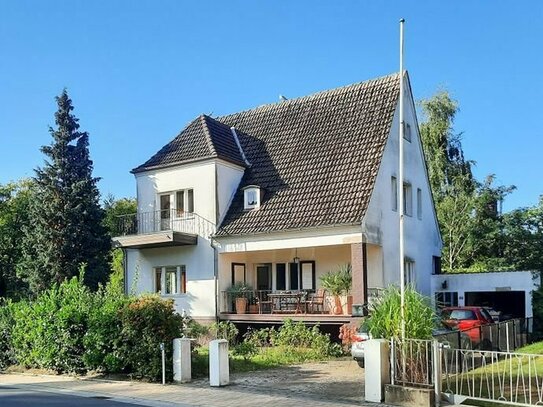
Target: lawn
265,358
516,377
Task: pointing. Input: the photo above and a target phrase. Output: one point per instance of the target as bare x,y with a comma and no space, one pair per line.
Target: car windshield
459,314
486,314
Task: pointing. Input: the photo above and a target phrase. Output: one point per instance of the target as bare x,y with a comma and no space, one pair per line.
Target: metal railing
260,299
497,376
411,362
501,336
157,221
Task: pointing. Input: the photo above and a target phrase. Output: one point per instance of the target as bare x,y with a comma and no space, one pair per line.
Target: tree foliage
468,211
15,198
66,227
115,208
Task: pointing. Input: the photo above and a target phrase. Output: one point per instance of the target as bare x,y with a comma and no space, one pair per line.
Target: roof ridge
310,96
203,118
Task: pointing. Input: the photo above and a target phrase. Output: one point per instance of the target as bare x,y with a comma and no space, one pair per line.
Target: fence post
219,373
437,354
377,368
507,336
182,360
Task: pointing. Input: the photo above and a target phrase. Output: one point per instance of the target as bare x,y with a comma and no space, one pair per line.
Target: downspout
215,245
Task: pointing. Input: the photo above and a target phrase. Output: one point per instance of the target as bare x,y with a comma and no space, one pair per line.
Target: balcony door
165,212
263,277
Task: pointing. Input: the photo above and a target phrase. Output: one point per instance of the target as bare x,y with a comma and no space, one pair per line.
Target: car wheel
360,363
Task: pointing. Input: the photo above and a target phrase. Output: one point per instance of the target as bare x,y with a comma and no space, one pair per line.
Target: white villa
278,195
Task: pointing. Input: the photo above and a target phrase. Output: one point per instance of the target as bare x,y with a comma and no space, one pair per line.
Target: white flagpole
400,182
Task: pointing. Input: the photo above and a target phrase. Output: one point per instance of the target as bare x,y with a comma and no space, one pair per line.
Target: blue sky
138,72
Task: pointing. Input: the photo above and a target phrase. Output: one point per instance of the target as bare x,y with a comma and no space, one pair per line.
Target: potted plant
338,283
253,306
239,292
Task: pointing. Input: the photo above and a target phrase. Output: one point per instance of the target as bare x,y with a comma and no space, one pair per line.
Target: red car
467,319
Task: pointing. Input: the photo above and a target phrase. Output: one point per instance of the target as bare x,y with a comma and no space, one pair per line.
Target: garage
509,292
510,304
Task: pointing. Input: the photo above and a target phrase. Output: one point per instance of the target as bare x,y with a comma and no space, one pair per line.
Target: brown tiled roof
203,138
316,157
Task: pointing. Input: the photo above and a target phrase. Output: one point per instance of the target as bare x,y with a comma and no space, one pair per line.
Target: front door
263,277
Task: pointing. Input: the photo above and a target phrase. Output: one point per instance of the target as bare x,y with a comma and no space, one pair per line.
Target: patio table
286,302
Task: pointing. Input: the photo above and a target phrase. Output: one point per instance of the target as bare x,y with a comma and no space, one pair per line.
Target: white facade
499,282
213,183
381,224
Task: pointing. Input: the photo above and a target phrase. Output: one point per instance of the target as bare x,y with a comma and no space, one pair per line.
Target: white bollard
219,373
377,369
182,364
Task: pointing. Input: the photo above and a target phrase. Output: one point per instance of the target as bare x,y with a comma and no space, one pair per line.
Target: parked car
357,347
467,319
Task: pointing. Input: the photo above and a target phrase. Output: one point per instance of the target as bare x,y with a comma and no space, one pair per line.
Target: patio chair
263,303
315,301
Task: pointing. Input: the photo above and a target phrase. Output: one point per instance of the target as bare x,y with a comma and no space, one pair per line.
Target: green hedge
70,329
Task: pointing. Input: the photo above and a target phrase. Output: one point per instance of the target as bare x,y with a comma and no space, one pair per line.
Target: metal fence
496,376
502,336
459,373
411,362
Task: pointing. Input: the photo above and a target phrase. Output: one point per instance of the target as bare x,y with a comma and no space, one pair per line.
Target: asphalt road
14,397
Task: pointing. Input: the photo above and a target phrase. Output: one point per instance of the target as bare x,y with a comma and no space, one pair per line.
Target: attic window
407,132
251,197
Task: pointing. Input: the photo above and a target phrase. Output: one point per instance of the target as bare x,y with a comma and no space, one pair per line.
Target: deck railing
256,297
157,221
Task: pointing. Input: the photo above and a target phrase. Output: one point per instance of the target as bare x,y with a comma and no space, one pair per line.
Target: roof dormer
252,195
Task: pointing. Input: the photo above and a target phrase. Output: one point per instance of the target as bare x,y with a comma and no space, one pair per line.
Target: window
419,203
409,270
308,275
238,273
294,276
158,279
407,132
251,197
446,299
280,276
436,264
407,200
180,202
170,280
394,193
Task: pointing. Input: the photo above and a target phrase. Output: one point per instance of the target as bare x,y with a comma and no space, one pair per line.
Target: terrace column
359,273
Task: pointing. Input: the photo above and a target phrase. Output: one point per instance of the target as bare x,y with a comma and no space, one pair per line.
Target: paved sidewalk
150,394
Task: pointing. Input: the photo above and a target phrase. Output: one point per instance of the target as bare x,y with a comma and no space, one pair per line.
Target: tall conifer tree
66,230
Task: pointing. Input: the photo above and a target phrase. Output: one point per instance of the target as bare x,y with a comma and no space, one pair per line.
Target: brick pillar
357,266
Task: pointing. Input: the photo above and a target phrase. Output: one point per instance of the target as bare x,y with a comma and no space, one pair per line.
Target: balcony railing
158,221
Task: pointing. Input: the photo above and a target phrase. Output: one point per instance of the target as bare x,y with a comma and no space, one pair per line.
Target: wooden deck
279,318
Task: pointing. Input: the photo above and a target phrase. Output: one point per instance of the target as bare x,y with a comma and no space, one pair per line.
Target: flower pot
253,309
348,305
338,309
241,305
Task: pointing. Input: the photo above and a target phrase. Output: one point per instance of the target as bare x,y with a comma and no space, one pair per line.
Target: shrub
7,320
102,340
48,333
146,323
224,330
385,315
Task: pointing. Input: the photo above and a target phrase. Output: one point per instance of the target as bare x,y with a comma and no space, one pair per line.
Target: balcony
165,228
